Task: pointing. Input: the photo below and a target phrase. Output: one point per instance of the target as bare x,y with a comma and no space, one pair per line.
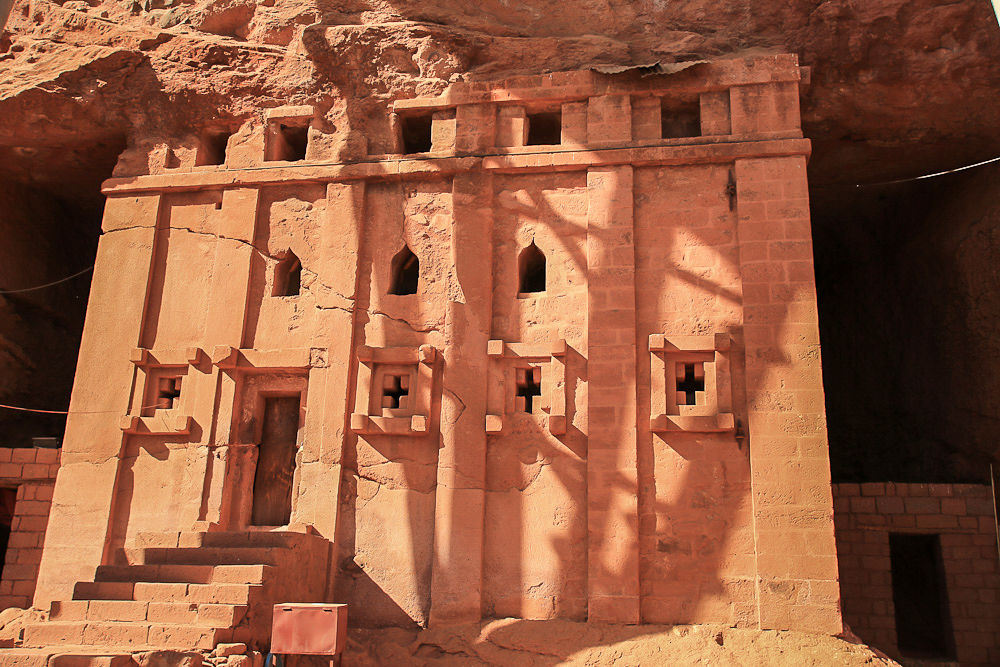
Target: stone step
98,610
243,538
103,659
132,636
148,591
103,590
67,656
261,539
204,556
184,591
53,633
169,613
221,593
187,637
242,574
193,574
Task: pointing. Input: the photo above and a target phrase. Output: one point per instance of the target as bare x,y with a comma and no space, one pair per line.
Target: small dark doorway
287,142
919,594
272,483
212,150
680,118
8,498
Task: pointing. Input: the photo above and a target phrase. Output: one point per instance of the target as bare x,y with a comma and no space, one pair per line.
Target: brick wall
32,472
962,515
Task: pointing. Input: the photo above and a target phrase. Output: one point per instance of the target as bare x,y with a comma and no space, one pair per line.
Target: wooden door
272,483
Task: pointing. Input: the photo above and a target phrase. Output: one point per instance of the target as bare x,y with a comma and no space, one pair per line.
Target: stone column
227,307
789,458
612,507
329,386
475,128
612,482
79,523
457,574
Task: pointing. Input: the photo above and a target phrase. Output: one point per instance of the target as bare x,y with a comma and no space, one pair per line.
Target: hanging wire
935,174
67,412
32,289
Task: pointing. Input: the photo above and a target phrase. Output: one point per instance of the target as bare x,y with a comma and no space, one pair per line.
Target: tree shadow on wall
694,524
388,499
535,551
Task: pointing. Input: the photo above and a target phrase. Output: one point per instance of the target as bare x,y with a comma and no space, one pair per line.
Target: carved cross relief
691,388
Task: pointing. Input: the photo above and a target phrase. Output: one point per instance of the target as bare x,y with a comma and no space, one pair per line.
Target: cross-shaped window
168,390
395,391
529,385
690,380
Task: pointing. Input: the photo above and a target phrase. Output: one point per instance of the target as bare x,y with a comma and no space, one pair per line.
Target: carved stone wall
555,356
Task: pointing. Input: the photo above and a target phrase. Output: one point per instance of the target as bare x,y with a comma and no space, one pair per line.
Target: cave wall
909,294
44,240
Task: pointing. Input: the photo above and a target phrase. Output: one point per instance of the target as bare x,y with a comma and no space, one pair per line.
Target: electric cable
62,280
67,412
935,174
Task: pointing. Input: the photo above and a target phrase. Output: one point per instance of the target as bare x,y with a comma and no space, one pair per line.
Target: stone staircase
187,591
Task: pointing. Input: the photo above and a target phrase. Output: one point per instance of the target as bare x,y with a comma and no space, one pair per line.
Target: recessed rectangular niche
160,400
415,133
527,378
163,389
287,140
212,149
394,390
544,128
680,117
690,388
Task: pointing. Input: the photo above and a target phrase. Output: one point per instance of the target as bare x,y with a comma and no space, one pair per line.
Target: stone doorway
8,497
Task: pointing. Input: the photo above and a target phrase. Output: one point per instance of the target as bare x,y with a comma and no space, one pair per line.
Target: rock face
912,277
886,76
512,643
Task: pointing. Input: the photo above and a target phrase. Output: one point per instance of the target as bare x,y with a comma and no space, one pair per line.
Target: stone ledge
399,167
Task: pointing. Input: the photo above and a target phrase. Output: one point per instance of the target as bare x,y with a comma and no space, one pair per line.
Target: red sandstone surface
430,525
896,89
158,69
514,643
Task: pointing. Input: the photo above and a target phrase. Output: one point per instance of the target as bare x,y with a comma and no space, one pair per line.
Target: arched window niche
405,276
287,275
531,270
